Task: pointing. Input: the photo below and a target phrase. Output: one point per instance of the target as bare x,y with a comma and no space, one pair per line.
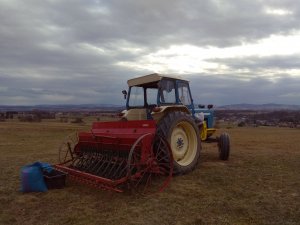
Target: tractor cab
154,95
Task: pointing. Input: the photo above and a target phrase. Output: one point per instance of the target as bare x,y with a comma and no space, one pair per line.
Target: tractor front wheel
224,146
183,136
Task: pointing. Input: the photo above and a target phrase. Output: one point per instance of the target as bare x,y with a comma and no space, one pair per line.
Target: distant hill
269,106
81,107
111,107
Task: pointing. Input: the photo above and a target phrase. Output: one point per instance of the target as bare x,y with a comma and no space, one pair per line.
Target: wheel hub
183,143
180,143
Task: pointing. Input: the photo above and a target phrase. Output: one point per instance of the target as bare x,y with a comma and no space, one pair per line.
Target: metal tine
124,171
114,163
104,162
104,172
110,169
100,165
84,162
75,161
101,162
97,170
119,170
80,162
117,165
100,158
102,168
91,163
87,162
90,158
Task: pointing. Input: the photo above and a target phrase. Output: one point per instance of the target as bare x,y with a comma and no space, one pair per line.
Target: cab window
151,96
184,93
167,92
136,98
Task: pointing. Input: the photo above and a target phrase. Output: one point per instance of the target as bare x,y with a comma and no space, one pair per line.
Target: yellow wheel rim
184,143
204,131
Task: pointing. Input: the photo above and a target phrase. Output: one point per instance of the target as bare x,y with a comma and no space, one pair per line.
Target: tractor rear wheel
224,146
181,132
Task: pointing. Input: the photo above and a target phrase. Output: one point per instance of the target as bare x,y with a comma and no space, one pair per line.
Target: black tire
224,146
179,128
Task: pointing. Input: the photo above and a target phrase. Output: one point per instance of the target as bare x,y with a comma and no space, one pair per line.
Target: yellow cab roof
151,78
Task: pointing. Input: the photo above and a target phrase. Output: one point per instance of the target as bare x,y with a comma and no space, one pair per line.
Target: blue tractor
168,101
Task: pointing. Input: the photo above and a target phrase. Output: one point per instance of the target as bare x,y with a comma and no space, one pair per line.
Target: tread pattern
224,146
164,128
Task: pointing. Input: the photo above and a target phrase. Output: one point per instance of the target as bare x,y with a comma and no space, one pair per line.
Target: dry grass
258,185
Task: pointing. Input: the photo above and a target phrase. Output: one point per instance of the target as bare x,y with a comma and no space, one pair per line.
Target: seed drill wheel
183,136
224,146
66,149
154,173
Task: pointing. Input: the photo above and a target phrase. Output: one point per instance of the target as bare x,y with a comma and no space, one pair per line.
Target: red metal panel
116,135
124,128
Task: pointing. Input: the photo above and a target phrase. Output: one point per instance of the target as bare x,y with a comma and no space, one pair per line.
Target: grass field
260,184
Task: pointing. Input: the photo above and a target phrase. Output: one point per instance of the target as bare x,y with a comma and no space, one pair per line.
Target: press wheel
150,172
66,149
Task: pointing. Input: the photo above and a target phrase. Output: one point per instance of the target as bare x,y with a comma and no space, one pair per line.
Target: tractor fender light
157,109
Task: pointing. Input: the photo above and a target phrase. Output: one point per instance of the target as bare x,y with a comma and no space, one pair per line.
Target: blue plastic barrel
32,179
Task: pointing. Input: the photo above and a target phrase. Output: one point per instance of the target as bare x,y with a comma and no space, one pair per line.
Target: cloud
221,90
84,51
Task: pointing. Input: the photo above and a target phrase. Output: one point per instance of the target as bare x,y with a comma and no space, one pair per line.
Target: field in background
258,185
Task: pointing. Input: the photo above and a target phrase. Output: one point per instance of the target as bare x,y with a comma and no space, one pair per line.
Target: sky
84,51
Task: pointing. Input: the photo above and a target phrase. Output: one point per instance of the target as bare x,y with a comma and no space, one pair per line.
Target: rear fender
168,109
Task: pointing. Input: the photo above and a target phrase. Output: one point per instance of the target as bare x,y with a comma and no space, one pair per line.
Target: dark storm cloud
68,51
